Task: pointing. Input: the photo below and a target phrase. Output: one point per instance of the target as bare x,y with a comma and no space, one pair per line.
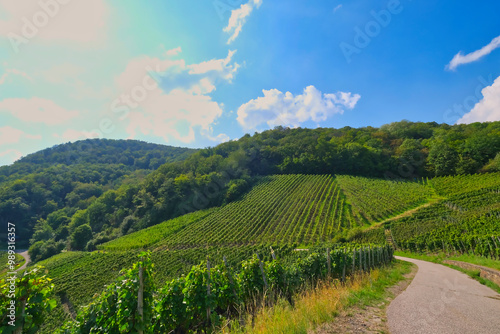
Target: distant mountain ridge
133,153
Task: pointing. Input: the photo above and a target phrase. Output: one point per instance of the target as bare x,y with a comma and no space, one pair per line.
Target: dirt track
443,300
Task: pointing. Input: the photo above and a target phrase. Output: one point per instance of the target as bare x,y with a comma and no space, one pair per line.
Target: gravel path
24,253
442,300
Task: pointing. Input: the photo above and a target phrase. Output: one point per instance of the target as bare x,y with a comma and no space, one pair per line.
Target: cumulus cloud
277,108
169,98
37,110
173,52
239,17
75,21
461,59
10,135
13,72
488,109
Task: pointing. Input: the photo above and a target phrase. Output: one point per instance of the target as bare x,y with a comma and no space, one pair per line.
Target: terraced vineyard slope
467,220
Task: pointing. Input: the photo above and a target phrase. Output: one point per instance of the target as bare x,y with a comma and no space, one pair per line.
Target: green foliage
191,303
377,199
154,234
32,296
300,209
80,237
116,309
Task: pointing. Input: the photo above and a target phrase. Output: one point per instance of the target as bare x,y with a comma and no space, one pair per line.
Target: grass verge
323,303
480,261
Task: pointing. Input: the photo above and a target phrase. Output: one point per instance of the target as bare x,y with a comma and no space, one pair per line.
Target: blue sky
196,73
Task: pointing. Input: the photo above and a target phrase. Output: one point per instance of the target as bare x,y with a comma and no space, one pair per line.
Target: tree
442,159
80,237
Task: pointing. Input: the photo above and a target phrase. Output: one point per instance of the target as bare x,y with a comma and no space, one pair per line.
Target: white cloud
37,110
181,106
75,21
239,17
10,135
277,108
461,59
74,135
13,72
486,110
173,52
337,8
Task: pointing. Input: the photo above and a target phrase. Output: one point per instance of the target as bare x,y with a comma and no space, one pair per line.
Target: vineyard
377,199
211,292
301,209
282,213
467,220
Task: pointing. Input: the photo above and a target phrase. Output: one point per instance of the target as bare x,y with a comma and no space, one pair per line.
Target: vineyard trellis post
23,311
343,265
140,297
328,262
261,265
272,253
208,290
360,259
369,258
353,261
230,276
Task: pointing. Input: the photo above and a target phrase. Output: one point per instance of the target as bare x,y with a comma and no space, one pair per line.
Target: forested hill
133,153
59,181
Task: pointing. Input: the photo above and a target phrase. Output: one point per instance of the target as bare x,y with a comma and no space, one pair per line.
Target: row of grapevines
283,208
453,185
378,199
207,294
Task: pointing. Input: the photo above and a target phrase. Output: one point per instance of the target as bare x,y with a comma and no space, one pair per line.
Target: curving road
23,253
442,300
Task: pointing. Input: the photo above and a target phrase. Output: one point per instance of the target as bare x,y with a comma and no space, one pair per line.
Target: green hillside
466,220
299,209
41,192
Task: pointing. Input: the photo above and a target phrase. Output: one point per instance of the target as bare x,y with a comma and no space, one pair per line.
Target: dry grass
312,308
320,305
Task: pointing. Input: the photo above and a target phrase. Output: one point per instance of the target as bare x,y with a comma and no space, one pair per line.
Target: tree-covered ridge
46,188
132,153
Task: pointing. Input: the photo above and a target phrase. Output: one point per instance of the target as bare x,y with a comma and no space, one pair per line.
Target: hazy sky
198,72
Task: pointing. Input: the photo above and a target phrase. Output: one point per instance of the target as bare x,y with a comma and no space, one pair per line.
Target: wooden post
343,265
140,297
369,258
262,271
23,310
272,253
208,288
361,259
353,261
230,276
328,262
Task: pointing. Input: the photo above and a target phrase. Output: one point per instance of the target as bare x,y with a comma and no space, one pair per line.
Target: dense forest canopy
58,181
132,153
217,175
